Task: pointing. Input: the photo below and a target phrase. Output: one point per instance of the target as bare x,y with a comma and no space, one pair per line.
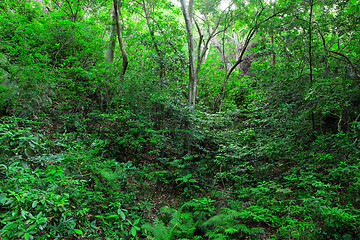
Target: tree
112,39
125,61
257,21
188,13
146,5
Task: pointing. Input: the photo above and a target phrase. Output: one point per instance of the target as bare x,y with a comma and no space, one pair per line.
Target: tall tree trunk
203,46
112,41
188,13
310,57
272,39
188,17
115,30
125,61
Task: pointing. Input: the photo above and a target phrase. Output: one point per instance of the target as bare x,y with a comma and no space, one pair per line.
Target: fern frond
256,230
215,221
232,214
159,231
231,230
242,227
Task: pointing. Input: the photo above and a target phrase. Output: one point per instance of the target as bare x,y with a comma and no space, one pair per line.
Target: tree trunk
272,39
125,61
112,41
310,58
188,16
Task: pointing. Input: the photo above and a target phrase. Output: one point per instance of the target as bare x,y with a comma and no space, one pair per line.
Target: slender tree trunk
272,43
188,13
112,41
272,39
125,61
203,46
188,17
107,22
115,31
310,57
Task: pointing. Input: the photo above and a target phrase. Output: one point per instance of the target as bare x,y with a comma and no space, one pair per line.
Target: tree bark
310,58
125,61
188,13
272,39
112,41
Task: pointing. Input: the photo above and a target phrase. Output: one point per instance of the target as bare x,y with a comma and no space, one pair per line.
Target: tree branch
355,68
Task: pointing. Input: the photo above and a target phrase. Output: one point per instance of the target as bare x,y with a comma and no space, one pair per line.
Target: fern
200,208
256,230
181,225
231,230
216,220
108,174
227,223
159,231
226,218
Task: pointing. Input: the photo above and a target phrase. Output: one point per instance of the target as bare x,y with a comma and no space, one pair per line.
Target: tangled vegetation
106,133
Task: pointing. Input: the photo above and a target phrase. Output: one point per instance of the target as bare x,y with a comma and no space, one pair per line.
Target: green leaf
39,215
10,226
78,231
121,213
34,204
231,230
133,231
136,221
26,236
31,227
2,198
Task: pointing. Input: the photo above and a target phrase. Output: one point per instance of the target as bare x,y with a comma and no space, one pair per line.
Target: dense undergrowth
87,155
75,186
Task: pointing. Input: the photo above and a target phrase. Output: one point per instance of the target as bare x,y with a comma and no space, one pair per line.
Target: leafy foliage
88,154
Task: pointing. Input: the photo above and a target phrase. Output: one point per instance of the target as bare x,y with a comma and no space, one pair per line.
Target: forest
180,119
